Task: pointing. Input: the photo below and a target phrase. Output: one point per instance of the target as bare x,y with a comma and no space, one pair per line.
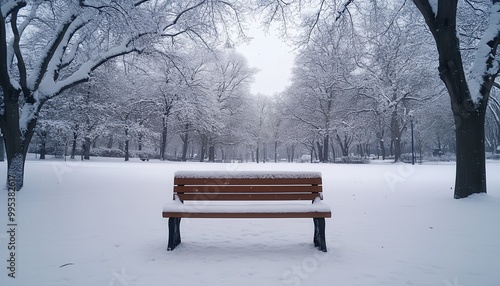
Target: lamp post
412,144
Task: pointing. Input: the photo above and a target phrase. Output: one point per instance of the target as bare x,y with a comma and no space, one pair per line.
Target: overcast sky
272,57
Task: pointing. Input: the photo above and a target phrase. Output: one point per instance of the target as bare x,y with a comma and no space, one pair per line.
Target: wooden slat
246,197
249,215
247,189
247,181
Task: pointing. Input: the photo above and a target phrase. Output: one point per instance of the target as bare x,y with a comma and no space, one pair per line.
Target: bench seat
257,210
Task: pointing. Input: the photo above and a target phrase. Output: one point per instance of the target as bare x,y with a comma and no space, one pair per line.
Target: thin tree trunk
382,147
163,143
86,145
185,142
257,153
211,149
110,142
73,146
275,151
320,151
325,148
203,147
43,149
127,155
139,141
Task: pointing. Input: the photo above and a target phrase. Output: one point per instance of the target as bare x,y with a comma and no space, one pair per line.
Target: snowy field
99,223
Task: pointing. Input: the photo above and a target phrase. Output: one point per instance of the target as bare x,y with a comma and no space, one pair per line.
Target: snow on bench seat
246,175
306,207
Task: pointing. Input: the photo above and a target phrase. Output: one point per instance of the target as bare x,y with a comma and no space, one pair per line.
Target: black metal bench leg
319,234
178,232
316,233
173,233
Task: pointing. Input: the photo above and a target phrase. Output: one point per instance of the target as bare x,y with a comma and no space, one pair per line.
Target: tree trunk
127,155
344,146
185,142
313,152
203,147
16,142
334,156
73,146
86,149
325,149
2,149
43,144
320,151
185,146
382,147
163,143
257,153
264,152
470,152
110,142
290,152
275,151
139,141
211,150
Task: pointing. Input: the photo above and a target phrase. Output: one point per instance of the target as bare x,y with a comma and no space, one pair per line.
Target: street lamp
412,144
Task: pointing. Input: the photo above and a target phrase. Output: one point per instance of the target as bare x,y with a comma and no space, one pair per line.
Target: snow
28,112
176,206
434,6
99,223
8,7
479,68
246,174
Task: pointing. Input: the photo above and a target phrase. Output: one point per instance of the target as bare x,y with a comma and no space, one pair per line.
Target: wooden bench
193,189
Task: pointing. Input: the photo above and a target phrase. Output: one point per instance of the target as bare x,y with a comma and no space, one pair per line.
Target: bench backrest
247,186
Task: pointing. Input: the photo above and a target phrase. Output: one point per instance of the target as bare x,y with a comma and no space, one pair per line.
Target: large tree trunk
470,151
16,142
2,149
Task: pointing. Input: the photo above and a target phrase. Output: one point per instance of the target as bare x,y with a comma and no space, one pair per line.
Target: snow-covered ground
99,223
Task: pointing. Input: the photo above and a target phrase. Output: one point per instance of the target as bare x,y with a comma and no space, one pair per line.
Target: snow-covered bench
271,194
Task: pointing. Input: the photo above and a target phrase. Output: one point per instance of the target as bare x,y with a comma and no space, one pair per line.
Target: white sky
272,57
